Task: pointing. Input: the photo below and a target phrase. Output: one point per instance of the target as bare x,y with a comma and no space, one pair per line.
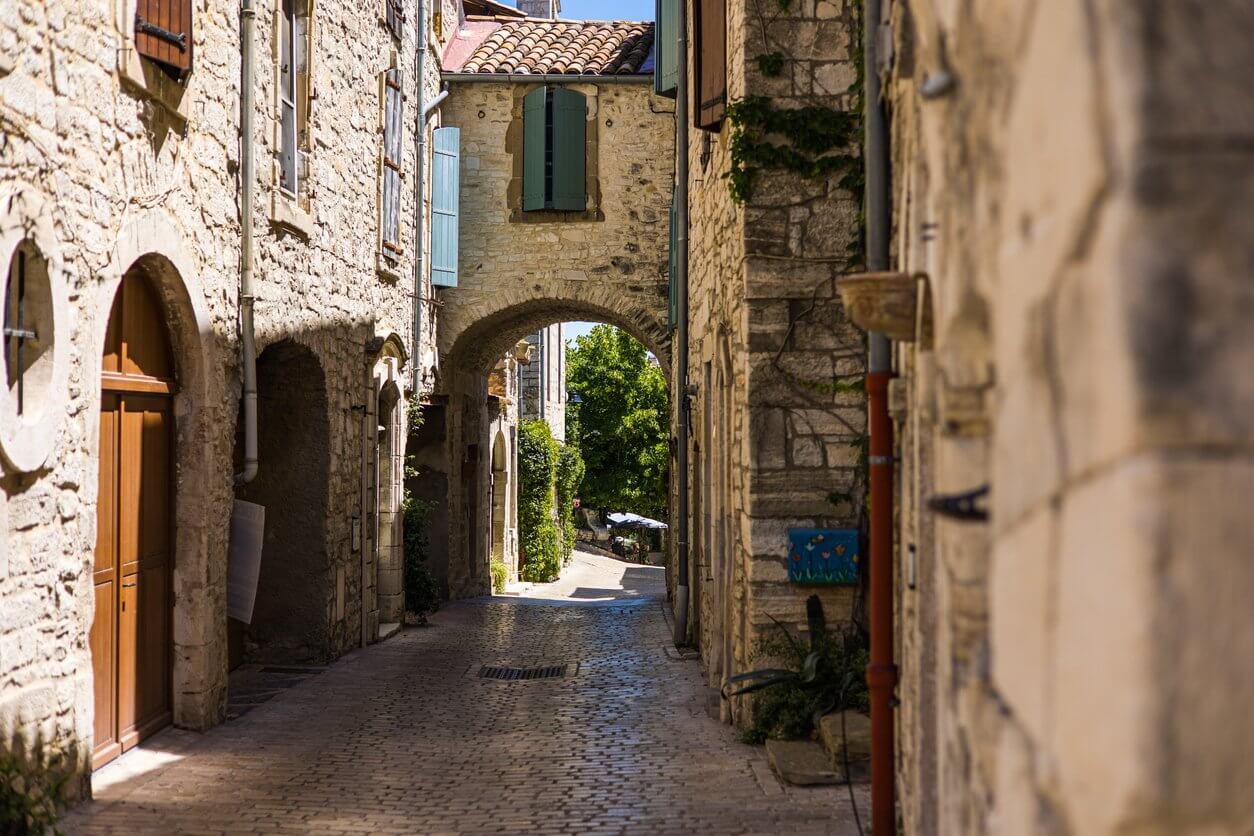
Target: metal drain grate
519,674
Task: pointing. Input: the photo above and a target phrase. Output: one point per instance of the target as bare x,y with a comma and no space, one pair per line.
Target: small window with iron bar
27,327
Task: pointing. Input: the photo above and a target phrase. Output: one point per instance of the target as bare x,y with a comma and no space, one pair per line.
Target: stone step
802,762
857,733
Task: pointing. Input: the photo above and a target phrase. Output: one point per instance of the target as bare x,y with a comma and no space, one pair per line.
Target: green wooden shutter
672,310
570,127
666,49
533,149
445,181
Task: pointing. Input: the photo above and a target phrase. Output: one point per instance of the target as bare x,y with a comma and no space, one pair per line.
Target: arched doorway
294,608
131,635
499,486
390,469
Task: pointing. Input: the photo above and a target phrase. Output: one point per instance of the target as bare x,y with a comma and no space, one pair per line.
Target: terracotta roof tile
590,47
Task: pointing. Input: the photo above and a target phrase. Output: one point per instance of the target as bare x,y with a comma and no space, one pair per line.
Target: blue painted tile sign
823,555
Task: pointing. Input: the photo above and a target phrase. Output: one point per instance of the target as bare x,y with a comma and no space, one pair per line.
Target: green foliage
570,473
29,798
622,428
810,141
771,64
539,540
422,591
500,577
828,675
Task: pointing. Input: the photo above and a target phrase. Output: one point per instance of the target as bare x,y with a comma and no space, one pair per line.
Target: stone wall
779,416
132,167
546,373
1070,187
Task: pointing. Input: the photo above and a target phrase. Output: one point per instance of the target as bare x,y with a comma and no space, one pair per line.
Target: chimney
541,8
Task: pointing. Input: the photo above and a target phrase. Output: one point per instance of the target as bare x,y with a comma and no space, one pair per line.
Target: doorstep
387,631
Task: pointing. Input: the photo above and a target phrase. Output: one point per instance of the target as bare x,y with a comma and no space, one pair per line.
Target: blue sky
608,9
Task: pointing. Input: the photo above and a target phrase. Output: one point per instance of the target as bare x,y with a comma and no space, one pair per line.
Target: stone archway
467,356
152,245
290,617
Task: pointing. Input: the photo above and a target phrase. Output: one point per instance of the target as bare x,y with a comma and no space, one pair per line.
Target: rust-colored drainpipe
881,673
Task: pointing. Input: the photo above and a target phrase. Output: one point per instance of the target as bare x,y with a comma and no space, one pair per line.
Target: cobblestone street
406,737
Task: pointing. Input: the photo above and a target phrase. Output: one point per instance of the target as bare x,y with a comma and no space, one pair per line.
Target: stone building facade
118,172
542,382
1067,175
778,416
522,270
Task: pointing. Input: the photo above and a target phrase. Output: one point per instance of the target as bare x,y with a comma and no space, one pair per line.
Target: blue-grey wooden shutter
666,48
534,147
395,17
393,133
445,182
672,308
570,126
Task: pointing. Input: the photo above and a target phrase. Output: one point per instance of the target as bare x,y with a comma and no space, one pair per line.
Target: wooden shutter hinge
178,39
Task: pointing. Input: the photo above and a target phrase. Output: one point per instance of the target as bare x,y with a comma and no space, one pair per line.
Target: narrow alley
406,736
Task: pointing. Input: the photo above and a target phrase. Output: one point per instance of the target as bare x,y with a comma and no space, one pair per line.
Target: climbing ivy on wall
814,141
540,542
570,470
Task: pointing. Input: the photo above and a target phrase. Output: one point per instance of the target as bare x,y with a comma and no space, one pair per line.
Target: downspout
881,673
420,188
681,328
248,346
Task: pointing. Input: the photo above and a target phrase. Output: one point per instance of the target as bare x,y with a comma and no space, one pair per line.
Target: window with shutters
393,163
666,51
710,52
555,150
394,14
163,33
445,201
294,39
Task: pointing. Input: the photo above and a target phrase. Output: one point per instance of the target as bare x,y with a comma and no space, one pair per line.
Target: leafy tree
623,425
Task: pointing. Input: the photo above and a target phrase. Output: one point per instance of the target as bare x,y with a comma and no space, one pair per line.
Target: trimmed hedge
539,540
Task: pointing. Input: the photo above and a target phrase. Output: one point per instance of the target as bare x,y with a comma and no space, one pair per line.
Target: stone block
1021,599
801,762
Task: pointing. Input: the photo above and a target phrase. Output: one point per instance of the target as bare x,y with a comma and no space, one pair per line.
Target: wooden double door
131,636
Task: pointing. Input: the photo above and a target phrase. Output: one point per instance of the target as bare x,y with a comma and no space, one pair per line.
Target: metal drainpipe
420,188
881,673
681,329
248,347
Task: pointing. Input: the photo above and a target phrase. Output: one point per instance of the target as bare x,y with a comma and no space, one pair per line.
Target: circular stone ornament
29,424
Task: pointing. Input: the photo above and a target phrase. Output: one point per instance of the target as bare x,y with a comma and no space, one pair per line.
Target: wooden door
131,635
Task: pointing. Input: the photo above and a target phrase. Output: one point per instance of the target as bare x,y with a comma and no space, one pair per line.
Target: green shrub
538,538
422,591
29,799
570,470
500,577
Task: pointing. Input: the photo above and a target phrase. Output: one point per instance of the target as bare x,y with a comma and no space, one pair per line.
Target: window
163,33
27,325
294,44
666,48
395,17
445,182
711,64
554,150
393,131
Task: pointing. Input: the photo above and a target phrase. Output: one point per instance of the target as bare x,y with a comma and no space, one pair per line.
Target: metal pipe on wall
248,347
681,329
420,189
881,672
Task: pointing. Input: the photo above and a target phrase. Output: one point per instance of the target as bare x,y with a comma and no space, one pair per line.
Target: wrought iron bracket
964,507
178,39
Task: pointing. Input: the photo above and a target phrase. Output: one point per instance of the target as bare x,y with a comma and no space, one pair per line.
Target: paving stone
398,738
